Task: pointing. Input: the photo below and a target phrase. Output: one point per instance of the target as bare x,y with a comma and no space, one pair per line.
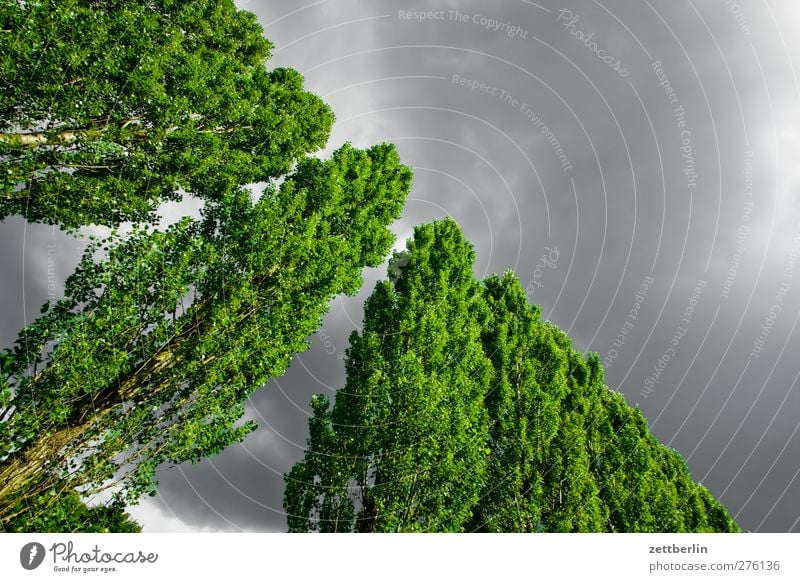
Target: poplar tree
410,416
108,108
162,335
464,411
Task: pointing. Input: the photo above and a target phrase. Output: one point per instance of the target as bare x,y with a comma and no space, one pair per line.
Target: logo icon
31,555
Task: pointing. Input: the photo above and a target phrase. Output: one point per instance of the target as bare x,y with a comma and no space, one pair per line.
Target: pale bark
18,472
36,139
41,138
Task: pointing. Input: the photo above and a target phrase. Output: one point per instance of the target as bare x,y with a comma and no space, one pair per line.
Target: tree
410,414
463,411
108,108
162,335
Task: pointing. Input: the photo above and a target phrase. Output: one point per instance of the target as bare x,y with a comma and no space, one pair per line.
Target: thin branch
85,167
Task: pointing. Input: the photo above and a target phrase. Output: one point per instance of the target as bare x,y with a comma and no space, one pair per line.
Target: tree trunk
36,139
19,470
31,462
139,385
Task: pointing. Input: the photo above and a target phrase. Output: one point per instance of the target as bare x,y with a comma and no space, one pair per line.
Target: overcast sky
651,147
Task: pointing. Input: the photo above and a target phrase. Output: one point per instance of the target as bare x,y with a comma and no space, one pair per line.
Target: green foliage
109,108
162,336
62,511
463,411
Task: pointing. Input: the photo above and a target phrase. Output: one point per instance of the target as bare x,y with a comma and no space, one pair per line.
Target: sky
649,151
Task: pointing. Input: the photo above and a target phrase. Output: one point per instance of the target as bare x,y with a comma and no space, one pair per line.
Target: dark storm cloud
624,211
628,171
35,261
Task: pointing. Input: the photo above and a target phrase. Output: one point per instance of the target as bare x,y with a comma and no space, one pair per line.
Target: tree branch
37,139
85,167
41,138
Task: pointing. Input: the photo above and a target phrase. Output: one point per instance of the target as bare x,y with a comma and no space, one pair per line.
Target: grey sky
675,162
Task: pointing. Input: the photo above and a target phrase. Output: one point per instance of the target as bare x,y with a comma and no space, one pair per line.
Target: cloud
624,210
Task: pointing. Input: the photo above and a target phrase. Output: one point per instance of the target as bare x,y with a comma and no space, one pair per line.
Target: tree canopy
108,108
162,335
463,411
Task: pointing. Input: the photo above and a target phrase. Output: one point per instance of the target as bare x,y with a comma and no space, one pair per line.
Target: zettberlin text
675,549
